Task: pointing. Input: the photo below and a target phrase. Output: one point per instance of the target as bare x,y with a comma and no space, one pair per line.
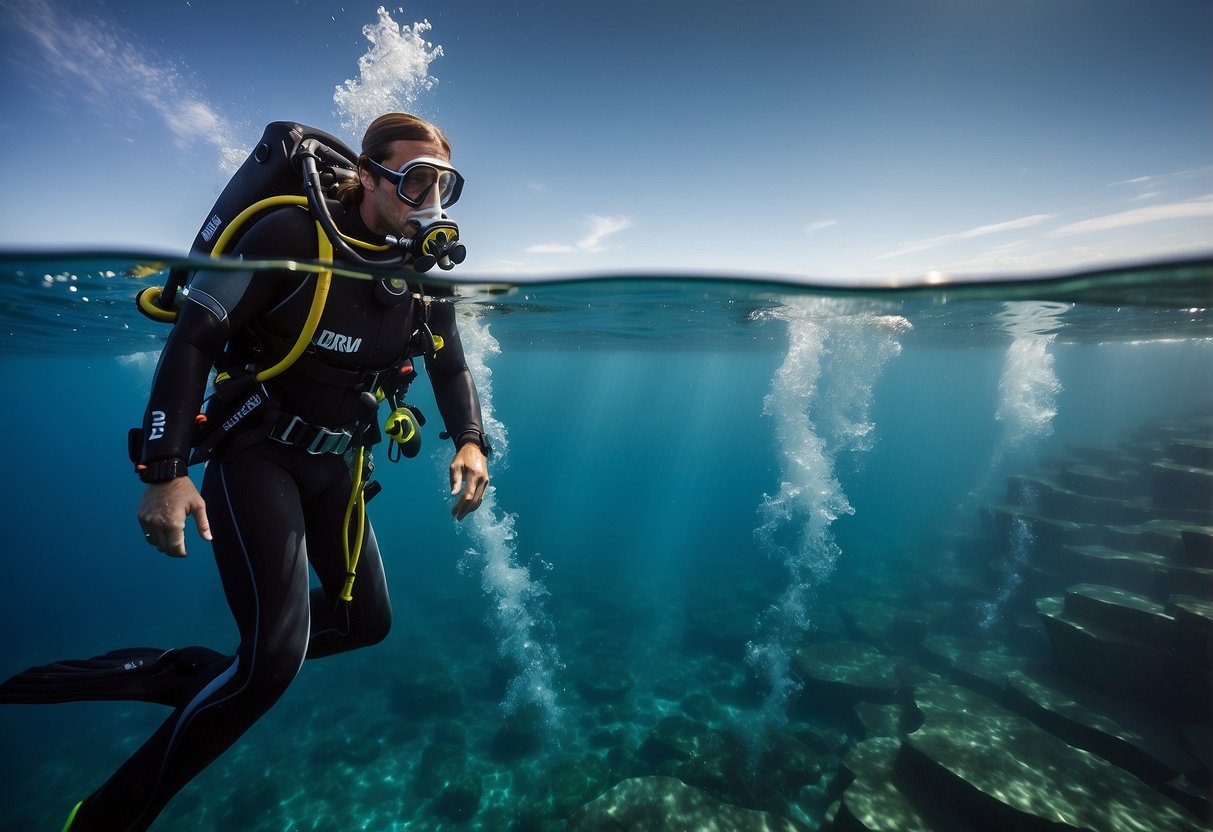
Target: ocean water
928,558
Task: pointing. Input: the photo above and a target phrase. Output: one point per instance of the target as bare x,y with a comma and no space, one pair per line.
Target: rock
1113,654
574,782
1138,742
1182,487
1191,451
1198,545
1119,610
700,706
1094,481
1051,499
847,671
872,803
1006,773
605,682
1132,571
664,804
879,720
521,734
440,764
1048,532
1194,623
966,662
885,624
675,738
460,799
427,690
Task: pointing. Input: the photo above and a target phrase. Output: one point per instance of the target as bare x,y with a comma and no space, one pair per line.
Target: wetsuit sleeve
454,388
219,304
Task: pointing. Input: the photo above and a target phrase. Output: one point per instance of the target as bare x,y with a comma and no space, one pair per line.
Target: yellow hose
356,499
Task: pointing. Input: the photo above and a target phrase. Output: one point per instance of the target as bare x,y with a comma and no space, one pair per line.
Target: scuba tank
293,163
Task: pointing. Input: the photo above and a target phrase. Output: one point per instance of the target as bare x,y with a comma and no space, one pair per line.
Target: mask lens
417,181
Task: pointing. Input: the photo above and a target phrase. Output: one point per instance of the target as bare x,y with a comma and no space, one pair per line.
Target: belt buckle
330,441
284,435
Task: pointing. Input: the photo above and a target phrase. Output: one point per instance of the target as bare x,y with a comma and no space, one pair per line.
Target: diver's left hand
469,472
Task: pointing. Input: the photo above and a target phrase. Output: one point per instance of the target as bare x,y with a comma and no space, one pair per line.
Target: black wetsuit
274,507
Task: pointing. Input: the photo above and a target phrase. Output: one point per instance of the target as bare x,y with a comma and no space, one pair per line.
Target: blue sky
841,140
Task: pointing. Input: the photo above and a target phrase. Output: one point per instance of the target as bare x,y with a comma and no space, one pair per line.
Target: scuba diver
287,473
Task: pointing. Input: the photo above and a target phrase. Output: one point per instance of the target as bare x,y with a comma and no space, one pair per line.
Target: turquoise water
745,534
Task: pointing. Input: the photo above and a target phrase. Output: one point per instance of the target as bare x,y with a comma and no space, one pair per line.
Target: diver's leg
258,529
338,625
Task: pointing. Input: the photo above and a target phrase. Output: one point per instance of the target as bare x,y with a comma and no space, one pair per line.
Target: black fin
144,674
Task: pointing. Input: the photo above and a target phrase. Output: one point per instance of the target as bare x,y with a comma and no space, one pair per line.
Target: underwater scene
756,556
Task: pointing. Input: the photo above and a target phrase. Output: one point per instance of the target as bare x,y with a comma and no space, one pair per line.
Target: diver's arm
455,393
218,304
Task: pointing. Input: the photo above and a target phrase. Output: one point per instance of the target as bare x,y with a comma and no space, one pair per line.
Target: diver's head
404,175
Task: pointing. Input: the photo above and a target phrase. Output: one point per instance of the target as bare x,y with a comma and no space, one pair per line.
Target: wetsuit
274,507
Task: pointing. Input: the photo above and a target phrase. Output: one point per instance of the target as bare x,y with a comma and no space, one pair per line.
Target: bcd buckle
324,441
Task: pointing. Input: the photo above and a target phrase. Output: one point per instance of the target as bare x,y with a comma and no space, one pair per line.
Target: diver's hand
470,472
163,510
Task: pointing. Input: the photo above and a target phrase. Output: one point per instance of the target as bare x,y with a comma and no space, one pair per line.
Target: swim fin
72,817
145,674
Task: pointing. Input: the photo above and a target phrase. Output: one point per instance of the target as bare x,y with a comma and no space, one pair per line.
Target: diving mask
418,178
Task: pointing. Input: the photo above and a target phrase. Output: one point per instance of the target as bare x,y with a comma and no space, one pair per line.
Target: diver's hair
377,141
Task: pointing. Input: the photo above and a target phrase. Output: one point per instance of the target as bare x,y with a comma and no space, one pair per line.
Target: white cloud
820,224
599,229
1202,207
979,231
114,70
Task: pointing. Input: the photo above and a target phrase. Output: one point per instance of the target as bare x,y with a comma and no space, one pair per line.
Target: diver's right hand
163,510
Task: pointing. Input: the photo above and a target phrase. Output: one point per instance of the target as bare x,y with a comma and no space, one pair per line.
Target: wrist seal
162,470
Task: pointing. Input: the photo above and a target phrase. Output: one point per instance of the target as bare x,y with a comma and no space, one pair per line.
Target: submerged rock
849,671
675,738
1129,646
969,663
1182,487
872,802
605,682
459,800
1143,745
880,720
885,624
664,804
1006,773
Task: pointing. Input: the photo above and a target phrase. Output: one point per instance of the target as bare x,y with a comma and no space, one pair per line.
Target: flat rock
1052,499
880,720
1120,662
1133,571
1191,451
1094,481
665,804
1008,774
1135,740
1197,545
1120,610
883,623
971,664
872,803
1049,532
848,669
1178,486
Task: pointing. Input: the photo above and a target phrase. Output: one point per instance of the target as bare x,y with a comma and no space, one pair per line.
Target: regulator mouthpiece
434,244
